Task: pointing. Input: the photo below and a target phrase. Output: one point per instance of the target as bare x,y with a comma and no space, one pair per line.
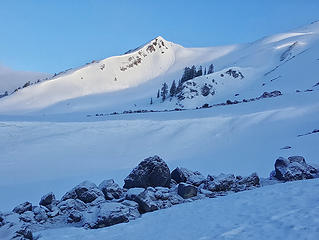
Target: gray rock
220,183
72,204
74,217
187,176
147,201
152,171
186,190
85,191
110,189
293,168
113,213
23,207
47,199
27,216
133,192
88,192
24,233
40,214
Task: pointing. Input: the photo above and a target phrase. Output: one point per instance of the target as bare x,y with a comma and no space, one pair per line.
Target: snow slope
129,81
11,79
281,211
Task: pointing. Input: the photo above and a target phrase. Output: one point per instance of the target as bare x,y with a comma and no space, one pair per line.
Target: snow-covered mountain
129,81
260,102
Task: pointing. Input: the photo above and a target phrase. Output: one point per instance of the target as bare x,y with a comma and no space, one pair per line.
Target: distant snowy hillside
11,79
286,62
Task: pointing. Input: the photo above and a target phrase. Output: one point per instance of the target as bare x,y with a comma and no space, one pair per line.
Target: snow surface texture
280,211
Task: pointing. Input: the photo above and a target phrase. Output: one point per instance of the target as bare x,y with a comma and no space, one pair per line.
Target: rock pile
149,187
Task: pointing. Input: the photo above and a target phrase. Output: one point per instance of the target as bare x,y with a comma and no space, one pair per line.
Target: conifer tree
164,91
172,91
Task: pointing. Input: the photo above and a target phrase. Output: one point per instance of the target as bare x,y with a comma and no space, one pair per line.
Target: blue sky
50,36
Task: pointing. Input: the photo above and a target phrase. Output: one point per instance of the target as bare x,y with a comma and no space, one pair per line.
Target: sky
51,36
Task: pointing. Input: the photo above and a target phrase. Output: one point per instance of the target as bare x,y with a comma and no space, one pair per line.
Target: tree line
175,89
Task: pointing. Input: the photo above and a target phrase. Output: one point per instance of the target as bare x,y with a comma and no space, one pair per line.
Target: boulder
24,233
74,217
186,190
85,191
40,214
246,183
47,199
147,200
187,176
151,172
293,168
27,216
220,183
110,189
133,192
23,207
113,213
71,204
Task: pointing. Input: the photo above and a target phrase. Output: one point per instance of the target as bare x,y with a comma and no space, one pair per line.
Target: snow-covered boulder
85,191
112,213
74,217
23,207
151,172
24,234
187,176
47,199
228,182
293,168
40,214
220,183
110,189
147,200
71,204
186,190
27,216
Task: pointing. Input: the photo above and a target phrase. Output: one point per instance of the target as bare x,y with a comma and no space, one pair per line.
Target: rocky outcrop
293,168
151,172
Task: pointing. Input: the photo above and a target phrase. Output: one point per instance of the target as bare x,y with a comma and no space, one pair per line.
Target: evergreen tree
179,87
199,72
193,72
164,91
186,74
172,91
210,69
205,71
158,93
151,101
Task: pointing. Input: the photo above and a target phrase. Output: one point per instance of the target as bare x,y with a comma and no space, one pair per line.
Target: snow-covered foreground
38,157
280,211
